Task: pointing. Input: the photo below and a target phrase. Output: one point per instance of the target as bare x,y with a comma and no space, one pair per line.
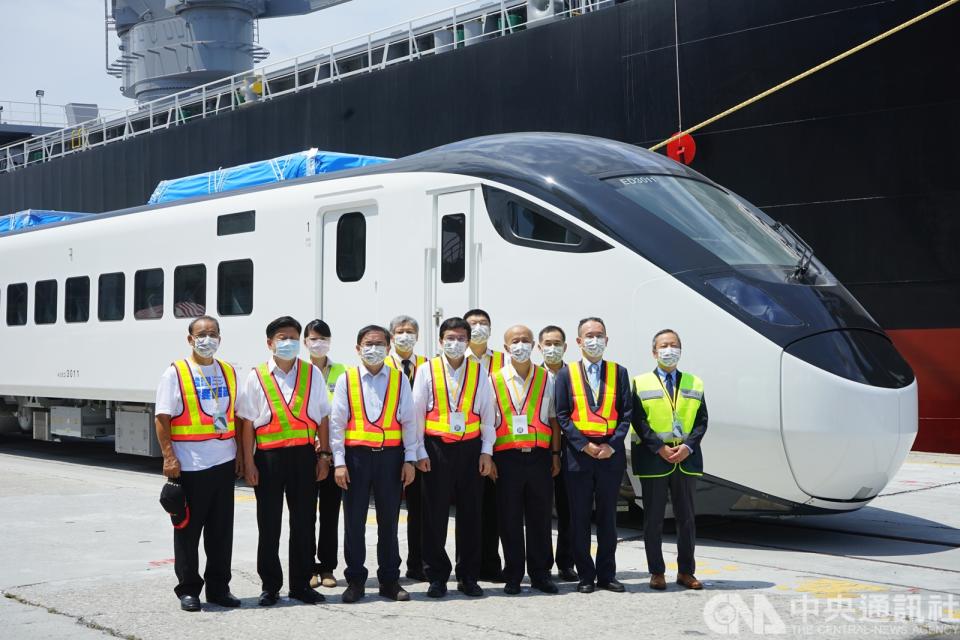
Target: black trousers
454,476
289,472
329,496
525,501
564,555
209,496
682,488
593,483
413,496
490,563
376,472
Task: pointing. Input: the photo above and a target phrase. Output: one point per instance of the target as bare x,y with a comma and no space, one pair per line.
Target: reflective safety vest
438,418
379,433
660,410
496,362
538,434
394,362
193,423
289,425
603,421
336,370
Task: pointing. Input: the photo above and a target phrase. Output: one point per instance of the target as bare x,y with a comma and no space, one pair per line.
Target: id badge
220,422
458,423
677,428
520,425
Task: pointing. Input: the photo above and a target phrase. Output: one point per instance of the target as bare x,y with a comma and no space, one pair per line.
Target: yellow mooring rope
808,72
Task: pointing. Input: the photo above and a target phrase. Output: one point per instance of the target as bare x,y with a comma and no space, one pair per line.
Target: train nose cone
848,413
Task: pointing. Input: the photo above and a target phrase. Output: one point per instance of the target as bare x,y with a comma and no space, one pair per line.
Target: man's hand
591,450
555,466
606,451
342,477
423,465
680,453
250,473
238,467
407,473
323,469
665,452
171,467
494,473
486,464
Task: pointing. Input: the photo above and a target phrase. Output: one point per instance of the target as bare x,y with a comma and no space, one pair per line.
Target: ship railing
462,25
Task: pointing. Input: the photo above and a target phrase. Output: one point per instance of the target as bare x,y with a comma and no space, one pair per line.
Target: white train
812,410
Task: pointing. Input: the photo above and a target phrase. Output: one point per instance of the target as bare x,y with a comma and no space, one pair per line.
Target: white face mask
373,354
286,349
318,347
454,348
206,346
668,356
553,354
594,347
405,341
520,351
479,333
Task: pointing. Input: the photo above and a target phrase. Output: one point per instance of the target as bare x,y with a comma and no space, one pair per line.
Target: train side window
111,297
232,223
17,304
524,223
148,294
45,302
453,248
190,291
351,247
76,292
235,288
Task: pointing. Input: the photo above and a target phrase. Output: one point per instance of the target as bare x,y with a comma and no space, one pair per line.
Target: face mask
286,349
594,347
454,348
405,341
318,347
553,354
668,356
479,333
520,351
373,354
206,346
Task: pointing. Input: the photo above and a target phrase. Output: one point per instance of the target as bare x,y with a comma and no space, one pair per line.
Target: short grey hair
402,320
662,332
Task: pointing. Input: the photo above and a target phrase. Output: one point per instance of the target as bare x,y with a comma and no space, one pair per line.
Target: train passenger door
348,298
455,257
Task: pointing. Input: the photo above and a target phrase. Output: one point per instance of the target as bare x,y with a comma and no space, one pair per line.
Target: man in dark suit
594,410
670,419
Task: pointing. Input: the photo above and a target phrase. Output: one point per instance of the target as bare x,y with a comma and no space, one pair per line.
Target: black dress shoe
568,575
354,592
546,585
469,588
190,603
268,598
511,588
614,586
306,595
437,590
394,591
416,576
585,587
224,600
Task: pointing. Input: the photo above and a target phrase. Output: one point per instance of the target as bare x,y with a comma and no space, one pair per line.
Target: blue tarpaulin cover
35,218
295,165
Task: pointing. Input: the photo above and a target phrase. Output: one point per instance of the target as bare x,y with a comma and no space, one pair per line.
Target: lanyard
453,382
214,391
672,399
521,392
586,374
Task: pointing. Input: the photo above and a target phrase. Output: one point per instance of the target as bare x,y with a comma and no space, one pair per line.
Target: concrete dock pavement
87,552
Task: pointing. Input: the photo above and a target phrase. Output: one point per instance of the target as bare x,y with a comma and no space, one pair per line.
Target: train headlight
754,301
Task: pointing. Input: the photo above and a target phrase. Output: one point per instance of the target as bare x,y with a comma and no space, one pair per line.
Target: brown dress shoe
658,582
688,581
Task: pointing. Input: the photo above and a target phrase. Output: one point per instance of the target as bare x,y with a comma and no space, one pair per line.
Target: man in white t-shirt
195,427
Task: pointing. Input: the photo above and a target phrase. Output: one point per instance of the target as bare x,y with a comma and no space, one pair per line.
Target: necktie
594,373
670,385
408,370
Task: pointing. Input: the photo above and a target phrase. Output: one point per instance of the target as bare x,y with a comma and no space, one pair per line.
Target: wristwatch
325,455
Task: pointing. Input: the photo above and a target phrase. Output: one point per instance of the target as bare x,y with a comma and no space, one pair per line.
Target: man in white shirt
196,430
374,439
454,412
282,404
527,457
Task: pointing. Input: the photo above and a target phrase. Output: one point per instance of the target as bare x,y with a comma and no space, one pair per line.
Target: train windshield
714,219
